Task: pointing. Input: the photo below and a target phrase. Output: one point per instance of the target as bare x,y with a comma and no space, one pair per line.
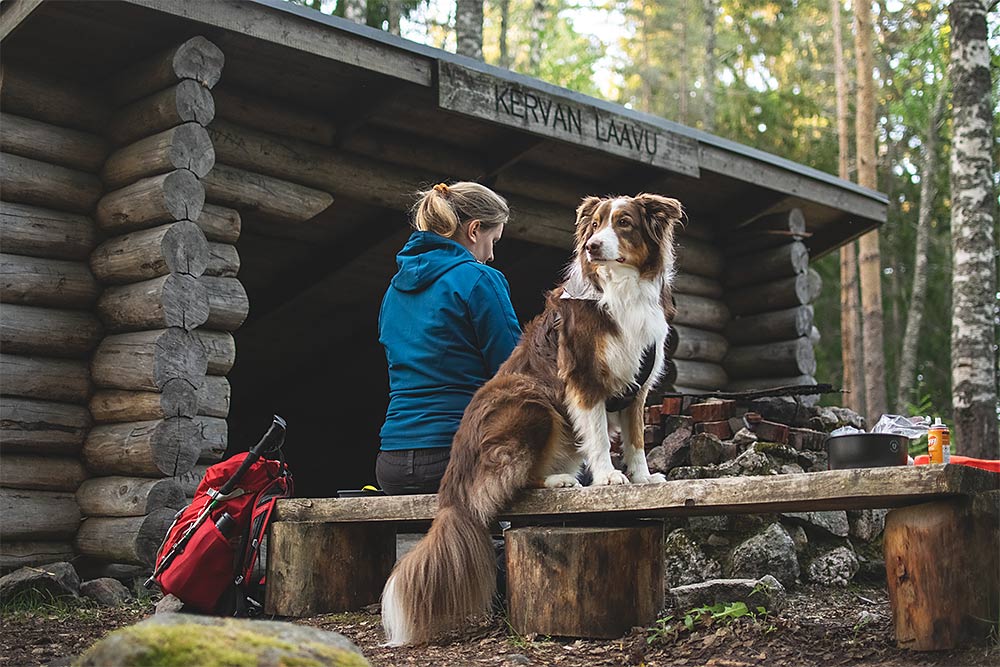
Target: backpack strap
258,525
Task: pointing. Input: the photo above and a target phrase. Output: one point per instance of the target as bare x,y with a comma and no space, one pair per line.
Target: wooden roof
445,115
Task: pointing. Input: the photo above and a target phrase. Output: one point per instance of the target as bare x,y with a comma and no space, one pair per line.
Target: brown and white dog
548,409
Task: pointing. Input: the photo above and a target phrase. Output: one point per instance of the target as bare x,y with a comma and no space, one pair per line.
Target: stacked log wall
770,290
701,316
51,150
161,397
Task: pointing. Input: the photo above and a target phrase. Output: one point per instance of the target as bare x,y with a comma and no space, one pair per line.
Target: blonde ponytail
444,208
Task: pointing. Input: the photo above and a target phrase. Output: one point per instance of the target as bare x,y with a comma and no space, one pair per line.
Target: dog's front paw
561,481
651,478
610,478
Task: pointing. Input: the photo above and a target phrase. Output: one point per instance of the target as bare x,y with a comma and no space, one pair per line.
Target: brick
719,429
671,405
713,410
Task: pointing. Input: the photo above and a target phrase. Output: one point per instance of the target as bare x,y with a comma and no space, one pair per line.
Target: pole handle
272,439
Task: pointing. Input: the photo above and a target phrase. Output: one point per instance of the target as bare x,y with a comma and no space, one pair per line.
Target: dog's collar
617,403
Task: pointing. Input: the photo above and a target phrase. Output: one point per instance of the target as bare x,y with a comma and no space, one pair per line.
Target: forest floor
819,626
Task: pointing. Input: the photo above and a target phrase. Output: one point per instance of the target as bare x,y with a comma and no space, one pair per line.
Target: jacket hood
425,258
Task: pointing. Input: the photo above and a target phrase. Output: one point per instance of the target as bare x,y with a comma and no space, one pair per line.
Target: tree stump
584,582
943,571
317,568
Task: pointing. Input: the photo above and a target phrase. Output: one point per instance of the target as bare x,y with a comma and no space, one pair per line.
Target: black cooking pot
866,450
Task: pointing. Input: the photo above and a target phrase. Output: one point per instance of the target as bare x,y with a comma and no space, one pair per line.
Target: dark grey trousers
410,471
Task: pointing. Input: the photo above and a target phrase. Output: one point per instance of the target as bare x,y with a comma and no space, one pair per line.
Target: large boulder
765,592
209,641
684,562
750,462
105,591
866,525
706,449
55,580
769,552
672,453
834,568
832,522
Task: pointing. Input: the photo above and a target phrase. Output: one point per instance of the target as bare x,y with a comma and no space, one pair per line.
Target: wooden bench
941,540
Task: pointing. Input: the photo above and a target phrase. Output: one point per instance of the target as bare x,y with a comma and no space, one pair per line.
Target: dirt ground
820,626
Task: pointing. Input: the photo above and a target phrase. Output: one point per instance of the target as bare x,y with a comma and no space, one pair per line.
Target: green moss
221,646
776,449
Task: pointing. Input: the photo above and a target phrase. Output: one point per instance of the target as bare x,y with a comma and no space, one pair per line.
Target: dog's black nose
594,245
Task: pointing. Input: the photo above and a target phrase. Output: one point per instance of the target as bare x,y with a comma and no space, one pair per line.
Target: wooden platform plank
865,488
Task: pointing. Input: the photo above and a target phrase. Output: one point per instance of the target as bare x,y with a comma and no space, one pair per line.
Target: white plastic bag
910,427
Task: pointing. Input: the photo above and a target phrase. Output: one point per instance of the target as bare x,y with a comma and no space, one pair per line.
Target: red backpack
210,552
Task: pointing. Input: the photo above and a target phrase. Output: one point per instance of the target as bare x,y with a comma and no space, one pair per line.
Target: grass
44,603
35,603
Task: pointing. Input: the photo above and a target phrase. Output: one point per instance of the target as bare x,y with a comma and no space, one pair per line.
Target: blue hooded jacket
447,325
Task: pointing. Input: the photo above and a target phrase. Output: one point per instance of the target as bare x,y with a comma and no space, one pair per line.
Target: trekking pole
271,440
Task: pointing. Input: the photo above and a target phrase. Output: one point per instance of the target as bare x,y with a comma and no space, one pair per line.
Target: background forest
761,73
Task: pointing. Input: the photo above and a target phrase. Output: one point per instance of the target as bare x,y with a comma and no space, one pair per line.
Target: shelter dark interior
333,389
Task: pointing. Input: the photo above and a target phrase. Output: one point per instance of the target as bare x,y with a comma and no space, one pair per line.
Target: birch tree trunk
973,207
537,25
504,23
395,10
711,11
851,353
928,193
682,74
469,28
869,261
356,10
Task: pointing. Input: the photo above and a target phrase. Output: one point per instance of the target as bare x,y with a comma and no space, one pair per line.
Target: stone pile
764,436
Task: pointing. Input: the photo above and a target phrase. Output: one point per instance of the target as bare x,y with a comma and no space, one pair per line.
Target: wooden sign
566,117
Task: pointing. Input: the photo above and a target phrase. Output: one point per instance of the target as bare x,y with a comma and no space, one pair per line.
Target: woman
447,324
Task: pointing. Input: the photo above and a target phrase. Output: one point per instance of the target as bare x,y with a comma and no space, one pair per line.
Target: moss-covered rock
181,640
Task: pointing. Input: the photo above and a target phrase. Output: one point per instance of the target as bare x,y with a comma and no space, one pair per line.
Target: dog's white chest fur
634,305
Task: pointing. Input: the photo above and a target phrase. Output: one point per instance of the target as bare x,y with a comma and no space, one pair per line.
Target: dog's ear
661,209
661,214
586,208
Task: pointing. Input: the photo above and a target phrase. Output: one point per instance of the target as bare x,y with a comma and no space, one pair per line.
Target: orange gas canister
939,442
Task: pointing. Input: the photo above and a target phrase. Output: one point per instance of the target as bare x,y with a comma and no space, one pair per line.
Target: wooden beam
717,159
320,263
311,35
365,105
14,14
862,488
366,180
501,158
558,114
748,205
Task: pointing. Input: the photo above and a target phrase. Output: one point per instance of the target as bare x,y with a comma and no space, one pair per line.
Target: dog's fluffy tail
449,576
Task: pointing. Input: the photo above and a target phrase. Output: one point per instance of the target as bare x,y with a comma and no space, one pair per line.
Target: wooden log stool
595,582
307,562
942,561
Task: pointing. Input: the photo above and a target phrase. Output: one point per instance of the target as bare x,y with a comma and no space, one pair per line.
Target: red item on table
986,464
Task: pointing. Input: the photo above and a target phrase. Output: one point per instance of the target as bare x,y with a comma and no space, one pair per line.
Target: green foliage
721,613
378,12
568,58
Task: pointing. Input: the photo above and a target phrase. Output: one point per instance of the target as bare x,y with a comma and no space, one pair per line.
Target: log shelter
202,202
